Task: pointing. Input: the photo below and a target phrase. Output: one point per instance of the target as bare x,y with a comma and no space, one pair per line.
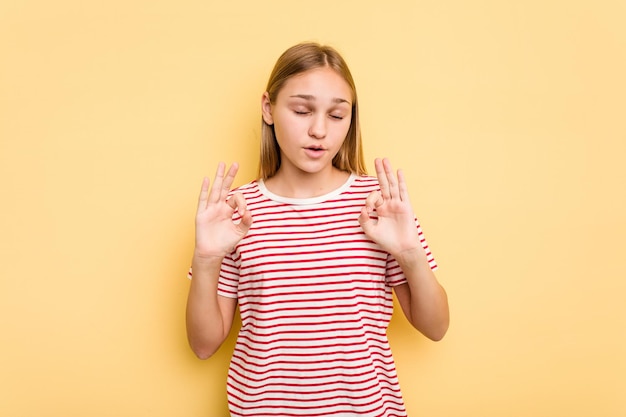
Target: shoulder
360,187
245,189
252,193
365,182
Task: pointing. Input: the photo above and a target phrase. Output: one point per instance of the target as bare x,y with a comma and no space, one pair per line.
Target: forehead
321,83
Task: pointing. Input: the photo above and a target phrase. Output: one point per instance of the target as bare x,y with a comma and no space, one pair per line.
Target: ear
266,109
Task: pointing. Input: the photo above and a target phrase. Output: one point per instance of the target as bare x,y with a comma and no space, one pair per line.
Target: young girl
311,252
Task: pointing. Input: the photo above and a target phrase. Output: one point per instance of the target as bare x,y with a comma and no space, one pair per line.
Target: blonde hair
296,60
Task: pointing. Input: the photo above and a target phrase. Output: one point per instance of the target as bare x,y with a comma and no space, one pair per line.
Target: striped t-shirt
315,299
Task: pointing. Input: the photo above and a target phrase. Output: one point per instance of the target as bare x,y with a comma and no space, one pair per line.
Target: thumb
366,221
245,223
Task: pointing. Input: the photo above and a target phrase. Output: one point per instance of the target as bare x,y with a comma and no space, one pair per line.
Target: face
311,118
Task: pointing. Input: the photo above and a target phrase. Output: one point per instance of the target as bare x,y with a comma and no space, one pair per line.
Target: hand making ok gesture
394,229
216,232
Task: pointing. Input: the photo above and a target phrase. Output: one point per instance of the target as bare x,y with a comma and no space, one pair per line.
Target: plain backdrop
507,117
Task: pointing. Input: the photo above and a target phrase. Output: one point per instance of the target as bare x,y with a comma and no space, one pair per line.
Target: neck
306,185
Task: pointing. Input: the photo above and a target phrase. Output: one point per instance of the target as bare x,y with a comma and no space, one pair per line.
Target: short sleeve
429,256
228,279
394,275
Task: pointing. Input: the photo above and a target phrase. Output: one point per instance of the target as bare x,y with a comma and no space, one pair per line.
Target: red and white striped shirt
315,299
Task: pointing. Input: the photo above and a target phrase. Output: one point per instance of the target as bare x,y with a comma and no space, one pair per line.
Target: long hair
296,60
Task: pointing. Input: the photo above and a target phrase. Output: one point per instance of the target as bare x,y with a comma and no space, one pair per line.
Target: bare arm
423,300
210,316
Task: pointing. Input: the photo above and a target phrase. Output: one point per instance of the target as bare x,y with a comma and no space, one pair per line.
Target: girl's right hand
216,232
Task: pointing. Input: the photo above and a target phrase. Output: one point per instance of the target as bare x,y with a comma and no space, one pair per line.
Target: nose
317,129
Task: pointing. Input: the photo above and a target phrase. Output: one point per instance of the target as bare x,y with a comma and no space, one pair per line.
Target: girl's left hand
395,229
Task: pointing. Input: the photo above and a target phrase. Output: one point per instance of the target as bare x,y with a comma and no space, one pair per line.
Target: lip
314,152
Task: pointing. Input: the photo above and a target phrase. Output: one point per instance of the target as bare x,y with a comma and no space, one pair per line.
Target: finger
215,193
392,183
204,193
246,222
228,180
365,220
373,200
382,178
404,190
238,202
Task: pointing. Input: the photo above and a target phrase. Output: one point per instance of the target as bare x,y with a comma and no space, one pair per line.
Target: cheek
288,128
285,134
343,129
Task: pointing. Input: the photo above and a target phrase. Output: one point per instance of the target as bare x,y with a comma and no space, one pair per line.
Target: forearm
426,301
207,322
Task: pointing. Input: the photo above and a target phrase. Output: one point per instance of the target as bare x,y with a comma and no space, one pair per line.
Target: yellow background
508,118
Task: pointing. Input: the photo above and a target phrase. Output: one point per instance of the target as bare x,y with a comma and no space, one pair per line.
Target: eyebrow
310,97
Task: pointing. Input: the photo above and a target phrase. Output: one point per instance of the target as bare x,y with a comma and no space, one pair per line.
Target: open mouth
315,151
314,148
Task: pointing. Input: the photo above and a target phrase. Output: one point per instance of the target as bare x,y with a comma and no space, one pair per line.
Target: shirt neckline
303,201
